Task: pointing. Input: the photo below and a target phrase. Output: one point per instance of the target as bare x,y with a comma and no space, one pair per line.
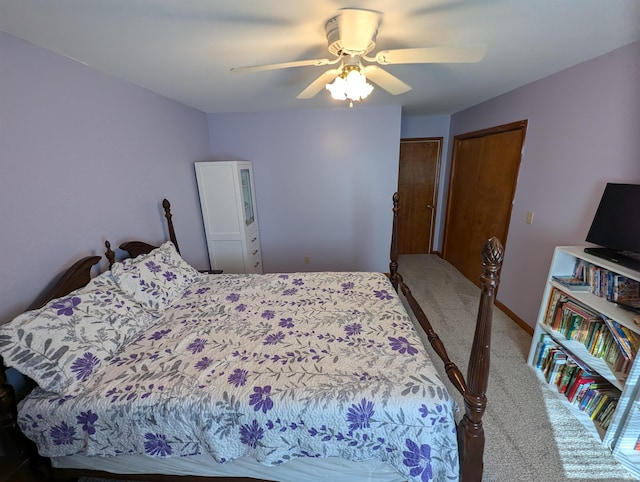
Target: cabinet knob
257,264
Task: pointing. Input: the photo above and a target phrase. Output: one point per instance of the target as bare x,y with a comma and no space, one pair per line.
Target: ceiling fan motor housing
333,39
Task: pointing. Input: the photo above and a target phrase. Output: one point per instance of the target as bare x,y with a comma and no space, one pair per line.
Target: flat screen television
616,225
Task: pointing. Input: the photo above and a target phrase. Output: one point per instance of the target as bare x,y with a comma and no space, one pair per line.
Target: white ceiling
183,49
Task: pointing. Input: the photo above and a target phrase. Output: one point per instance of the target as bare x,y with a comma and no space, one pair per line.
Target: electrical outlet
307,259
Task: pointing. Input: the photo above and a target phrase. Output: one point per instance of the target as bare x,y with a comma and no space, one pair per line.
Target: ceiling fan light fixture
351,37
350,85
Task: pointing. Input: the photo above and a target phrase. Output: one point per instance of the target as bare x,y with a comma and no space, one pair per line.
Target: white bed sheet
331,469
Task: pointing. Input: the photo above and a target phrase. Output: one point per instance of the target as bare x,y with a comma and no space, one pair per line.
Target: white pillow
62,345
156,280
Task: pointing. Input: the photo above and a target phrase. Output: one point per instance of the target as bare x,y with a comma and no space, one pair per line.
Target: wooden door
482,187
418,173
460,207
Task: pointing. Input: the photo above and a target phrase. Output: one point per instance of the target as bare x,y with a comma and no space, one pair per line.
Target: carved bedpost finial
166,205
492,257
492,252
396,201
110,254
393,264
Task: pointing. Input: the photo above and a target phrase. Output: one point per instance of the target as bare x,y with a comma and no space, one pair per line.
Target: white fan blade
432,55
384,79
357,29
319,84
284,65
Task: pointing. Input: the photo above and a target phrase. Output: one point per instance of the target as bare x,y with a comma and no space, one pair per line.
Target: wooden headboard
136,248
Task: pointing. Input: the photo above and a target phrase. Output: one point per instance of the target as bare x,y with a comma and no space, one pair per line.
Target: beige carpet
531,436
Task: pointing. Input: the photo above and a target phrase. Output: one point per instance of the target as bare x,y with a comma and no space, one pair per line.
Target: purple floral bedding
272,366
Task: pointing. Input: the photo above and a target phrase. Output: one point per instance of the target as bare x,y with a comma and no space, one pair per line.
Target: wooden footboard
473,388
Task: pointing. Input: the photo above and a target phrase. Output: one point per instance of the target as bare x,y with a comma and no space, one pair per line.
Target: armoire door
482,186
418,173
228,204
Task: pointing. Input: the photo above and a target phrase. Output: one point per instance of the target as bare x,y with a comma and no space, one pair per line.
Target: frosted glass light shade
353,86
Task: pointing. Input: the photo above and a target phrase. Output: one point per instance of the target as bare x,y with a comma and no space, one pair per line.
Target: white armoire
227,200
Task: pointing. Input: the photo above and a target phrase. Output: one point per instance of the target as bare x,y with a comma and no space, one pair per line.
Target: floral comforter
271,366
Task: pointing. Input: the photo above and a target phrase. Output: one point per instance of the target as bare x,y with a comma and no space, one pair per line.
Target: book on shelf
582,271
614,287
600,401
590,393
626,290
572,283
569,372
620,337
580,383
545,343
633,338
550,356
586,390
602,337
557,360
573,320
605,417
582,310
555,298
627,342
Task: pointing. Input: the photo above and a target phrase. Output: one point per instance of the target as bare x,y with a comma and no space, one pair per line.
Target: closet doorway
418,173
482,186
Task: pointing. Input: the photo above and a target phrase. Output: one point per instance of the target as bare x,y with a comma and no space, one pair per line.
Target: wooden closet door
482,188
418,174
465,171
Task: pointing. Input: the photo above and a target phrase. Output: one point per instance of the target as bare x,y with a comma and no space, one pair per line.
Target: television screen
616,224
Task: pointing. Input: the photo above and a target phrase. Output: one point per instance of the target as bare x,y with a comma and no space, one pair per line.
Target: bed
153,369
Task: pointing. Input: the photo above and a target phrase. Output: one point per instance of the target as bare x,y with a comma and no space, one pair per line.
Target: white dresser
227,200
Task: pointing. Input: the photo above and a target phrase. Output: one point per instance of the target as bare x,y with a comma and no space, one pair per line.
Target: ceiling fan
351,36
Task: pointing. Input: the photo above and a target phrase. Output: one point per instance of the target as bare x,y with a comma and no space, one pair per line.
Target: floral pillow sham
156,280
62,345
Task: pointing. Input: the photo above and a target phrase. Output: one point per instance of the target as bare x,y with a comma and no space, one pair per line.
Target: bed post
8,410
166,205
470,429
393,264
110,254
13,443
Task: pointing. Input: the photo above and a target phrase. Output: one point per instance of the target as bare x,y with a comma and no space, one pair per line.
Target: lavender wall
433,126
582,133
324,181
86,157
